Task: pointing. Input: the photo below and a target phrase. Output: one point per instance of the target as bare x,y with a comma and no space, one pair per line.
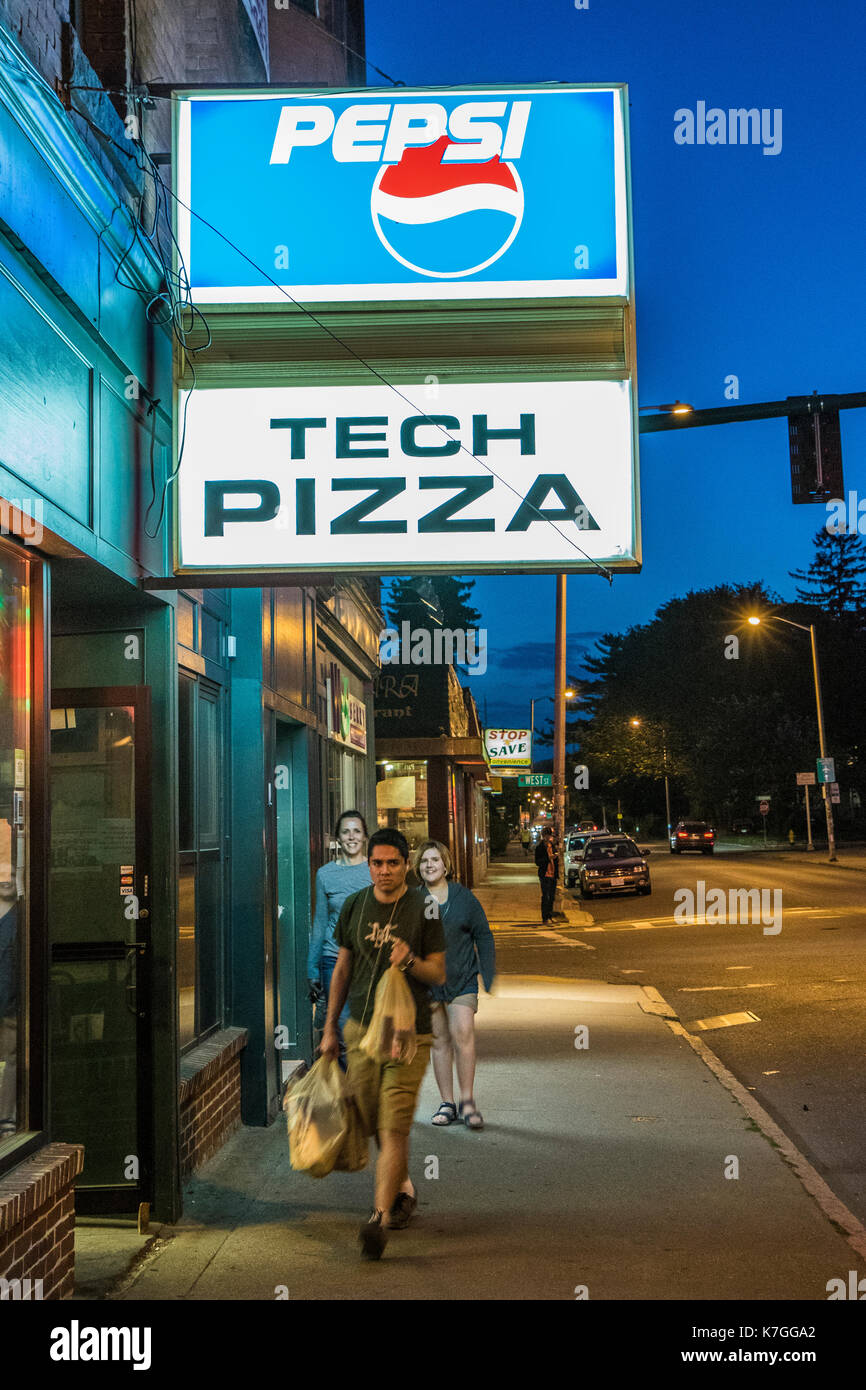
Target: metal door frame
127,1196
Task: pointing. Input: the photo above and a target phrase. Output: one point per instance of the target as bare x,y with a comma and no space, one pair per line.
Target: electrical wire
187,303
178,293
602,569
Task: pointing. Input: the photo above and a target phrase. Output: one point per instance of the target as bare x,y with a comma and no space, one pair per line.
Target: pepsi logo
446,220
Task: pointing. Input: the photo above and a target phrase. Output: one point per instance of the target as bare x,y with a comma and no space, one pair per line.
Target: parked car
693,835
613,864
586,825
742,827
575,843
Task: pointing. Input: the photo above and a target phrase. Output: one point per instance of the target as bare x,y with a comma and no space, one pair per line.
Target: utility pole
828,807
559,725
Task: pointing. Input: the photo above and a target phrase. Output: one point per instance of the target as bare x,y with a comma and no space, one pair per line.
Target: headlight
594,873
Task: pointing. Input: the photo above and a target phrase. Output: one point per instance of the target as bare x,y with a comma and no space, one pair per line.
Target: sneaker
403,1208
372,1238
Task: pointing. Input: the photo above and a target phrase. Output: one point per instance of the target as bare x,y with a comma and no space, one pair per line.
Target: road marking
725,1020
739,967
707,989
565,940
700,920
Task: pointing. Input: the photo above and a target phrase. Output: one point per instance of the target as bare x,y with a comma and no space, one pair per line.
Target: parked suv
693,835
613,864
575,844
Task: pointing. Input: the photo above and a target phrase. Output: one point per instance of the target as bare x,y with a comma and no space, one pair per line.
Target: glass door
99,929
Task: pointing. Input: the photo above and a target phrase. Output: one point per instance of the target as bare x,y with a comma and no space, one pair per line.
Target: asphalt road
806,986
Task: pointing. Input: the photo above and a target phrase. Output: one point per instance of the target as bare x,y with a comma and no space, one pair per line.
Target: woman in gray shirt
334,883
469,949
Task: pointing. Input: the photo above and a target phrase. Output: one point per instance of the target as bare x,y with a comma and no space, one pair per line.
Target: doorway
99,932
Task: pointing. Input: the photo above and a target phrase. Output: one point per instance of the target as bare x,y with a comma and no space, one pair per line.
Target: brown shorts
387,1093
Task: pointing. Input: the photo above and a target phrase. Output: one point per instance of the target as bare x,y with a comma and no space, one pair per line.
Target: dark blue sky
745,263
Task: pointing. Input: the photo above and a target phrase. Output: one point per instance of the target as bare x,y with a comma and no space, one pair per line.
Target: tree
432,601
834,579
732,706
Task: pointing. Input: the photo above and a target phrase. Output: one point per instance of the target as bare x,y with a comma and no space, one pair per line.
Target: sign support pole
809,844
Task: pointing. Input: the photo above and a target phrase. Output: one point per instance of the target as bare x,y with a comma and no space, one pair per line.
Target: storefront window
200,860
14,788
346,784
401,798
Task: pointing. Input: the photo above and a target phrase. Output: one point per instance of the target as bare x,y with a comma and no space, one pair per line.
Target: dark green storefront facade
169,803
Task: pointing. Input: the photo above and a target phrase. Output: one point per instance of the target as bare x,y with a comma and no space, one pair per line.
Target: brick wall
37,1221
306,51
36,26
210,1097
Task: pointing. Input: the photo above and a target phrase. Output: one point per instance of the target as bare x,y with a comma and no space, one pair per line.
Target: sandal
446,1114
472,1118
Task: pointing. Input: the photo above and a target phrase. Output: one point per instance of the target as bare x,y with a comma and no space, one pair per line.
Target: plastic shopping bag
391,1034
355,1149
317,1118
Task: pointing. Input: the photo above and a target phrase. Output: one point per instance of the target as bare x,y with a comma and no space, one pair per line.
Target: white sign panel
517,475
507,748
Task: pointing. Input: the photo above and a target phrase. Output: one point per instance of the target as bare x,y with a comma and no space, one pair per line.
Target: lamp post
635,723
828,807
569,695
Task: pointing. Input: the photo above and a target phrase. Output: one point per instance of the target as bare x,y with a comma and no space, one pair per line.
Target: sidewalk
600,1167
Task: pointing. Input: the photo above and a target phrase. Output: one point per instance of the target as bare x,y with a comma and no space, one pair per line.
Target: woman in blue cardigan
469,949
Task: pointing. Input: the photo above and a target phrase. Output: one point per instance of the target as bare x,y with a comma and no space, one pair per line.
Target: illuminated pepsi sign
398,194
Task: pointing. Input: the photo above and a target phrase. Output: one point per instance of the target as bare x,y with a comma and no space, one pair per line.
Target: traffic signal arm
760,410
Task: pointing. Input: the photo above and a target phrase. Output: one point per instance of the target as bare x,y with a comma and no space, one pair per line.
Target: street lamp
674,408
828,808
635,723
569,695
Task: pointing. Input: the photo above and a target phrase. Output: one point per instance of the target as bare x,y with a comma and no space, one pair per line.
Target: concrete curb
655,1004
831,1205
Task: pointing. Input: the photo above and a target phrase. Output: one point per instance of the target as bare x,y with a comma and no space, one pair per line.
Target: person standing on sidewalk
388,924
469,947
547,861
525,839
334,883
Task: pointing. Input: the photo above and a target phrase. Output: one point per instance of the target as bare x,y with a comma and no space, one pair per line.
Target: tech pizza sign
399,194
519,475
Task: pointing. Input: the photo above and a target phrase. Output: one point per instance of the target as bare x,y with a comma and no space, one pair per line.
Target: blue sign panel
412,195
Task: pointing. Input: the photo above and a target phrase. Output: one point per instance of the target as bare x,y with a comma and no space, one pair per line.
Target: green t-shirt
367,928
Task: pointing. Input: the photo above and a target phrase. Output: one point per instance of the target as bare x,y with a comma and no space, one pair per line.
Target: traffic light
815,445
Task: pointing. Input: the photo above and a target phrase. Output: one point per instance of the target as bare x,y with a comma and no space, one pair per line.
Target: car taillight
682,834
708,834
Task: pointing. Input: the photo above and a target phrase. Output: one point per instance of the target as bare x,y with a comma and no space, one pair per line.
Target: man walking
547,861
387,924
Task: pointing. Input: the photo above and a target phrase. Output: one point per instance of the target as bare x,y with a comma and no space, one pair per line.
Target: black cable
337,339
186,302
